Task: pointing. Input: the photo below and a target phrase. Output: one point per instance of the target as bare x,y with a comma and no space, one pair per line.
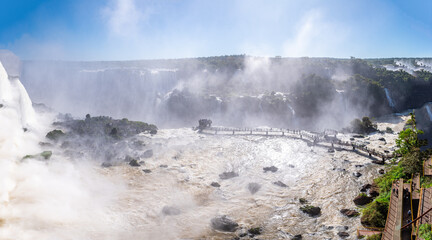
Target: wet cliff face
237,91
424,122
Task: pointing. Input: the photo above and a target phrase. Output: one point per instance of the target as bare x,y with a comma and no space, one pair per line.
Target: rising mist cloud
124,18
315,36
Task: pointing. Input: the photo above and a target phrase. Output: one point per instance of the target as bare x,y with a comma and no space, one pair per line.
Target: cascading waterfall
44,199
389,99
342,97
429,111
14,96
292,110
63,199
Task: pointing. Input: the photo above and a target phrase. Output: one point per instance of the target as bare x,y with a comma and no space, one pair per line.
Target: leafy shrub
55,134
363,126
375,213
374,237
425,231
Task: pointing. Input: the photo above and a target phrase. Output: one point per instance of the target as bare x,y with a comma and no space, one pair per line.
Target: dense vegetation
425,231
363,126
103,126
410,163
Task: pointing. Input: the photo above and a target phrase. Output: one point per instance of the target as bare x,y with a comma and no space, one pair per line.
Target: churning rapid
175,191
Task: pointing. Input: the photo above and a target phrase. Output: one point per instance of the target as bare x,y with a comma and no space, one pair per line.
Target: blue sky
147,29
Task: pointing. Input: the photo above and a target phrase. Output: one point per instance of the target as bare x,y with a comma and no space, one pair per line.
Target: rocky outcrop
343,234
365,187
104,126
255,231
132,161
362,199
254,187
350,213
215,184
374,190
311,210
55,135
224,224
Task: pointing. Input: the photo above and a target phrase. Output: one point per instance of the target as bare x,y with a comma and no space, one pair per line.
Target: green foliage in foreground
425,231
426,182
411,162
374,237
375,213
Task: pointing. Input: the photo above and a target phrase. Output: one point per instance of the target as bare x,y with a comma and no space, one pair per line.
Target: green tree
408,141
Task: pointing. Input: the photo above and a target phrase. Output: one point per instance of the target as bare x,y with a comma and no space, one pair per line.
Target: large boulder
55,134
350,213
365,187
254,187
362,199
224,224
374,190
132,161
215,184
343,234
255,231
297,237
311,210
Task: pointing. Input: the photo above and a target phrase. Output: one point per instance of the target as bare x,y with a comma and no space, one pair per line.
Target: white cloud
124,18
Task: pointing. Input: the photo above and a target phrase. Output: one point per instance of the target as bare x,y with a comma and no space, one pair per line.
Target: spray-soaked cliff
232,90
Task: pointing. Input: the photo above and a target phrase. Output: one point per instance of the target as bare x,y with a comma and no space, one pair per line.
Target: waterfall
429,111
14,96
342,97
389,99
292,110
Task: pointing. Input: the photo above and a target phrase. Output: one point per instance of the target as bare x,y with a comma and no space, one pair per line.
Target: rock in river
362,199
215,184
311,210
167,210
224,224
254,187
271,169
350,213
343,234
280,184
228,175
